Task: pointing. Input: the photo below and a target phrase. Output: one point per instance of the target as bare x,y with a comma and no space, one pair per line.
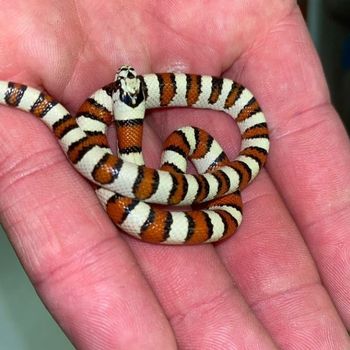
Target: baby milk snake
125,184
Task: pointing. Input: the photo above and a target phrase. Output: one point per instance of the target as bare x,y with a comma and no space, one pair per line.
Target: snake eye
127,99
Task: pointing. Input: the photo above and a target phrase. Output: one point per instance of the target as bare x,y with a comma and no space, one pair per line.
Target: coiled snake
125,184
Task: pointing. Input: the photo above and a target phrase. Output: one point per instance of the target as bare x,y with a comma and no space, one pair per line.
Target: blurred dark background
329,24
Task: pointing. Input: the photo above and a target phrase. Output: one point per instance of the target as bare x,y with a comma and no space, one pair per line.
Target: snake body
125,184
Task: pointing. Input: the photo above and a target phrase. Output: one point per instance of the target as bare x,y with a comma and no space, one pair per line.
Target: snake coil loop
125,185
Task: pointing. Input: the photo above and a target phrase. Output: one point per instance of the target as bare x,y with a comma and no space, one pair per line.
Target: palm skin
262,288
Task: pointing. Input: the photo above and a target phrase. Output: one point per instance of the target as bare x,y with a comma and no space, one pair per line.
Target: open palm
282,281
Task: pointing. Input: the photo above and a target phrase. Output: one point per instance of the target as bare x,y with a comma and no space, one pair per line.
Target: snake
131,192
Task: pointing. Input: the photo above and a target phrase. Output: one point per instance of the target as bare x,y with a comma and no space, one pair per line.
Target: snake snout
126,72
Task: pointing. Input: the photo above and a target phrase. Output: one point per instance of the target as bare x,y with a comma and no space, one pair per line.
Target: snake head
130,89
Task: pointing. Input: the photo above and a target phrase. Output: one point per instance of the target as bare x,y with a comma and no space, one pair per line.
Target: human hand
260,289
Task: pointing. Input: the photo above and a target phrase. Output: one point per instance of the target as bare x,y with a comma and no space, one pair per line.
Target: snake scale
125,186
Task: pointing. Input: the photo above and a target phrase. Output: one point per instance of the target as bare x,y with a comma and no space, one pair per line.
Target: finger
196,292
310,158
272,267
81,268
